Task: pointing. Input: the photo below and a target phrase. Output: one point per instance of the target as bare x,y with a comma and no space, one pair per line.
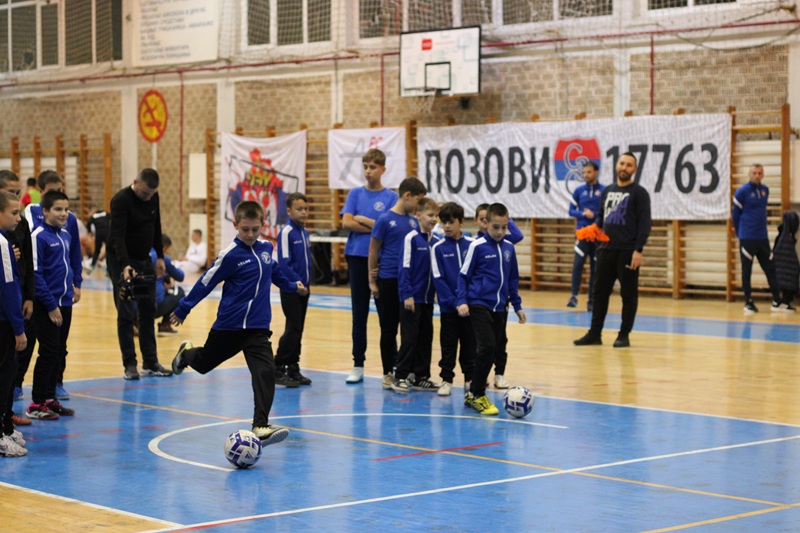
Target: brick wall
284,103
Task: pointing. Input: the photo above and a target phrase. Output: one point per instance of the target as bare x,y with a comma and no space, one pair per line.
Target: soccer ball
518,401
242,448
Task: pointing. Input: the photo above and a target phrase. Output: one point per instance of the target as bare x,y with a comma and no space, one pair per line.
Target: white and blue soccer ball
518,401
242,448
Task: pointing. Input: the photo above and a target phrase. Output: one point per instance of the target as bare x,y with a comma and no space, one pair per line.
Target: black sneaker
750,308
284,380
622,341
589,306
178,364
295,375
131,373
157,370
587,340
59,409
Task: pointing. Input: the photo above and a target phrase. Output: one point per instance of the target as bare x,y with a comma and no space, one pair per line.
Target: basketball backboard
446,61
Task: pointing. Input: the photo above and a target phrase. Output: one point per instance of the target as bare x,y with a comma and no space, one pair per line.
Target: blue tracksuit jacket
10,287
489,276
294,253
586,197
414,277
447,258
52,270
248,272
750,211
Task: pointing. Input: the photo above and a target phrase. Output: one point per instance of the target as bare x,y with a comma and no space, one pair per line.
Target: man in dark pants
625,217
135,229
750,222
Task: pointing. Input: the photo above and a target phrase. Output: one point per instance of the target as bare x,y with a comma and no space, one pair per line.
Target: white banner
264,170
684,163
346,147
178,31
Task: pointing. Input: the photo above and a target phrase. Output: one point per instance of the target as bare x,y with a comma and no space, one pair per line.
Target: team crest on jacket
379,206
507,256
266,257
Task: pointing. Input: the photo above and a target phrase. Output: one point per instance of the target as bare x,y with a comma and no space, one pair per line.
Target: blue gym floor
363,459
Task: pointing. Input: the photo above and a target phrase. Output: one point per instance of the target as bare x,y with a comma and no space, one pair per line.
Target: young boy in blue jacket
12,323
514,236
52,308
385,249
447,258
243,316
415,289
294,261
487,283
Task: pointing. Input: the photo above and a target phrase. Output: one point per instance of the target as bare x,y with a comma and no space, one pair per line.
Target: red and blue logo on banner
570,157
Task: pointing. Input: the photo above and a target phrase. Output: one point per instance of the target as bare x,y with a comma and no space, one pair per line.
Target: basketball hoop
422,104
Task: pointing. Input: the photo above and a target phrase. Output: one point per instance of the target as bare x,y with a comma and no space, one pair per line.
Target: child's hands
408,303
521,316
463,310
301,289
373,287
175,320
55,317
20,342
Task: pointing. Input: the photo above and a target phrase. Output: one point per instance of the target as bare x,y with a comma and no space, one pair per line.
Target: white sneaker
17,438
386,382
500,382
445,389
356,375
402,386
467,385
9,448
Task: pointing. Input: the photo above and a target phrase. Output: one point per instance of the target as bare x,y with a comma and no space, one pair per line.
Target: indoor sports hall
695,426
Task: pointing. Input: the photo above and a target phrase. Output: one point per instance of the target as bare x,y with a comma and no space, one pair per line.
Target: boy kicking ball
243,317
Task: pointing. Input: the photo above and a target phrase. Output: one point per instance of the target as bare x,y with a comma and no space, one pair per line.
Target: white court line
87,504
153,445
481,484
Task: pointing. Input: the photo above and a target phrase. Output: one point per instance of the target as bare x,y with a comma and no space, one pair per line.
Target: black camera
136,287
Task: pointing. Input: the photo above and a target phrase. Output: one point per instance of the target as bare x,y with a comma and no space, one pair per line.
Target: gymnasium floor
697,426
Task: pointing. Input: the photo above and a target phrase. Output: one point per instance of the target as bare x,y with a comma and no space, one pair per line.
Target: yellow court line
456,454
725,518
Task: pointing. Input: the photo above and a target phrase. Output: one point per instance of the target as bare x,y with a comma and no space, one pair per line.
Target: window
30,32
666,4
298,22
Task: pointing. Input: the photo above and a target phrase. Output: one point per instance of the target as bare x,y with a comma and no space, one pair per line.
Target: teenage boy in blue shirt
243,316
447,259
416,292
487,283
363,207
12,324
52,309
294,261
385,249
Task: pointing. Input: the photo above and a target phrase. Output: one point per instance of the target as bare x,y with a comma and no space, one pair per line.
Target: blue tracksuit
172,271
391,229
248,272
513,236
52,271
294,253
35,217
414,277
489,276
447,258
10,287
586,197
750,212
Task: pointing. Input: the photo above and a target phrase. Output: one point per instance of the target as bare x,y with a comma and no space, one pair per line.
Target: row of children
41,280
475,281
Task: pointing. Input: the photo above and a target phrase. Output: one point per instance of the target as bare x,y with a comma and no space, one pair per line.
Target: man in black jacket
20,239
135,229
625,217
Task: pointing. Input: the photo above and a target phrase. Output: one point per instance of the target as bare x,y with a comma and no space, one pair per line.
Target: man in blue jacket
584,208
243,315
750,223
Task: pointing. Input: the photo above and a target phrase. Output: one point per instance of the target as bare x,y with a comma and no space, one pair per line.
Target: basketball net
423,103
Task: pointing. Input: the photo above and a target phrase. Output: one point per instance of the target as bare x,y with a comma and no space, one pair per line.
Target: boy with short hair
447,259
415,289
513,236
385,248
363,207
50,180
243,316
294,261
487,283
52,309
12,324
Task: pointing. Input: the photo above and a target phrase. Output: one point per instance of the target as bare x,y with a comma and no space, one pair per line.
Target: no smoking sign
153,116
